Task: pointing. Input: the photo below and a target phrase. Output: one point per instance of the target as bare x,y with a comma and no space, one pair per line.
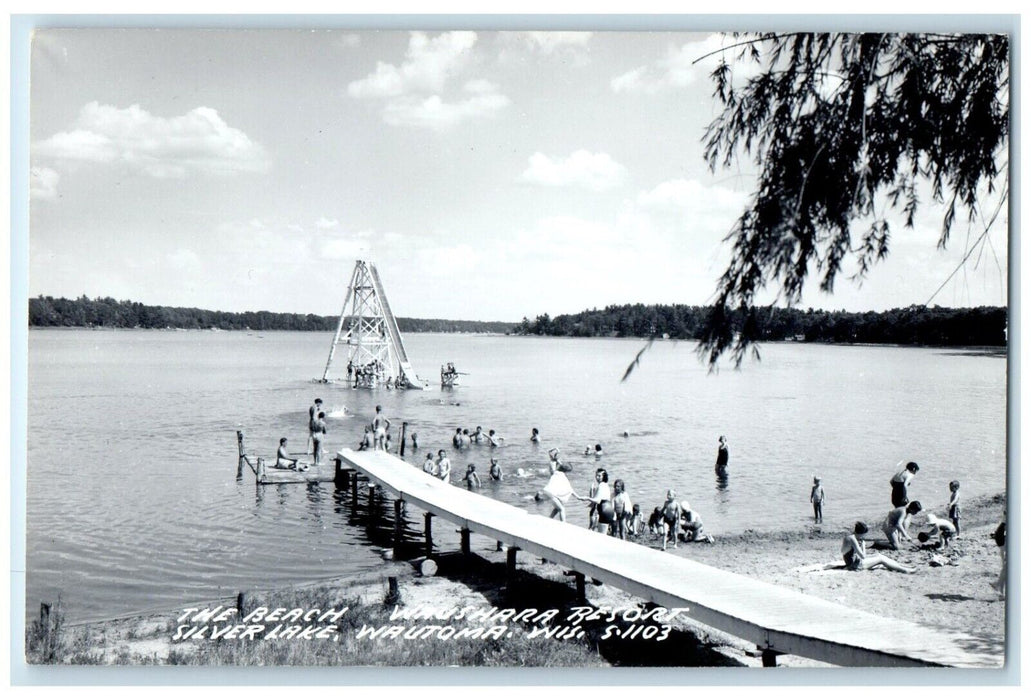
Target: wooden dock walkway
776,619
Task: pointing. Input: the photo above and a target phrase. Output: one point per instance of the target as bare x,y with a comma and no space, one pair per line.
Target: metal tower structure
375,352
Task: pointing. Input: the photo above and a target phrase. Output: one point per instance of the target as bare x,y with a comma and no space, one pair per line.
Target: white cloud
428,65
432,112
196,142
685,65
595,171
549,42
480,87
43,183
323,223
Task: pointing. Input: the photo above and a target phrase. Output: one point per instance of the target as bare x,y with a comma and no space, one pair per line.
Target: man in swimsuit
313,412
900,484
896,525
283,458
379,429
317,436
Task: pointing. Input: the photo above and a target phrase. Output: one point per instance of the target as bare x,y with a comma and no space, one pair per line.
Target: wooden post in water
261,470
399,528
770,658
239,447
354,492
465,541
404,431
428,519
372,503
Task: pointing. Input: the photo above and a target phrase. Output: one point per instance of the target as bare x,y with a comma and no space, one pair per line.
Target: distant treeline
913,325
108,313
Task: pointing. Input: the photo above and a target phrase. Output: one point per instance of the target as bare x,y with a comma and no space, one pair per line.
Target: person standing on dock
313,413
722,456
900,484
379,429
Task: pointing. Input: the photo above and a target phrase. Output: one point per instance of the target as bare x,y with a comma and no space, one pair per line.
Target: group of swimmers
463,438
441,469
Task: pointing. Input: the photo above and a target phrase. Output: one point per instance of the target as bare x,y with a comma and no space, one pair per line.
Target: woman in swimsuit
557,490
853,551
900,484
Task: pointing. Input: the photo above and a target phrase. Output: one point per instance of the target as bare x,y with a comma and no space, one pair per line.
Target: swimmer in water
429,466
535,435
495,470
472,480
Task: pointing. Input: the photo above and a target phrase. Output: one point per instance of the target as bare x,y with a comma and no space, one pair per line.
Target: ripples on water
133,502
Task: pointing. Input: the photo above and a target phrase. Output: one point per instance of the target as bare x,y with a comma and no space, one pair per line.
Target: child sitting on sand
655,521
635,525
853,551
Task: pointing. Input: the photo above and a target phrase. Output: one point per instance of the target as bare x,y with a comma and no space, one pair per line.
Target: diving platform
776,619
376,355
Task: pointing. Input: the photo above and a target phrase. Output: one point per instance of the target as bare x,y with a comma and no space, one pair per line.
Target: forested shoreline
105,312
913,325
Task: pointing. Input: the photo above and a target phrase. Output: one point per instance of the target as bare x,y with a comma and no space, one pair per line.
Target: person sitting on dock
367,439
558,490
318,435
443,467
429,466
896,525
671,511
496,474
472,479
853,551
283,458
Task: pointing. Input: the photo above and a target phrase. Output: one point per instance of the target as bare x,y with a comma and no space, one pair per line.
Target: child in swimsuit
670,518
954,504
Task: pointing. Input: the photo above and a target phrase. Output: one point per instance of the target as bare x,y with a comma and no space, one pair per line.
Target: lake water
133,502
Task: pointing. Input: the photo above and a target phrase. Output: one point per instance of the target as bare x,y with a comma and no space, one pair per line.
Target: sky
489,176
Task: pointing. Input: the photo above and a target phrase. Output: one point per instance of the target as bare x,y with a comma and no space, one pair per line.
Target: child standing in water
817,498
472,481
954,504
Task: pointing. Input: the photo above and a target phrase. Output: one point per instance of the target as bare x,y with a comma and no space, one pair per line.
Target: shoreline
956,595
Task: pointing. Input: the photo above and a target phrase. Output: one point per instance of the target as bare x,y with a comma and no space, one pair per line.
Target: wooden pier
777,620
264,474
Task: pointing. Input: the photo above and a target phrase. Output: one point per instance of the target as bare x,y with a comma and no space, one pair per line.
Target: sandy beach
950,589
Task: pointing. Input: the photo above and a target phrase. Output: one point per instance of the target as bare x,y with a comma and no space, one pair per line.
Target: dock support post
372,504
239,447
398,527
339,474
354,492
428,519
770,658
581,586
404,430
510,568
465,541
261,470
